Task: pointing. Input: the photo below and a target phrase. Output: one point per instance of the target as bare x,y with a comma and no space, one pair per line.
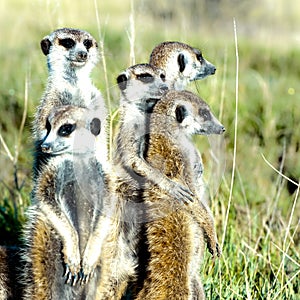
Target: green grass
260,257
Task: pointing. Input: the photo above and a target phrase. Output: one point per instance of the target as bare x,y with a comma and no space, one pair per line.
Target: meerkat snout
213,69
46,147
81,56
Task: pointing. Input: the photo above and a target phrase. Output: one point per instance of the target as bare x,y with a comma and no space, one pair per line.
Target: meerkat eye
199,57
163,77
145,77
67,43
88,44
205,114
66,129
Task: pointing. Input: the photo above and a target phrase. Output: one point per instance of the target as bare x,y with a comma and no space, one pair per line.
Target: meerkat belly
81,193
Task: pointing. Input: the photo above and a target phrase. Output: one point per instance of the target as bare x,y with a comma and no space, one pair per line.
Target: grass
256,206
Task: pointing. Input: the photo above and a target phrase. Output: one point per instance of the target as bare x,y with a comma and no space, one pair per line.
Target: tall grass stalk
6,149
235,132
131,33
108,98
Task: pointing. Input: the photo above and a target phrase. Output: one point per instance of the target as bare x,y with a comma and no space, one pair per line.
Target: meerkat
67,226
141,88
181,62
71,56
175,233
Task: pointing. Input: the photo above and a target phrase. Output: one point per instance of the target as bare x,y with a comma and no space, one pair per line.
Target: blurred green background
261,236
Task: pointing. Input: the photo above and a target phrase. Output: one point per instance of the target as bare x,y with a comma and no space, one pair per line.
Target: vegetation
256,205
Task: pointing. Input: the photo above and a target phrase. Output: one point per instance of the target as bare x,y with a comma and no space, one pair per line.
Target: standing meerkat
66,227
181,62
71,56
175,233
141,87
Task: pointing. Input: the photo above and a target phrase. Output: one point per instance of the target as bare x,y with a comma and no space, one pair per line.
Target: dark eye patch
181,113
67,43
66,129
145,77
95,126
205,114
199,56
163,77
122,81
48,126
88,44
181,62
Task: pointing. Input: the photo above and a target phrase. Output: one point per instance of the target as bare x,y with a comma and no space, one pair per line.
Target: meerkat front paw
214,248
72,267
88,265
177,191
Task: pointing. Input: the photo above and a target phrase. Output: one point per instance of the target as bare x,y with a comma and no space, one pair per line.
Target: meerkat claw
74,280
185,195
68,278
67,271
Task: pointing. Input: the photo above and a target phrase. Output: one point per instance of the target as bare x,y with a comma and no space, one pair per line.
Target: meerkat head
181,62
191,114
142,83
72,130
70,49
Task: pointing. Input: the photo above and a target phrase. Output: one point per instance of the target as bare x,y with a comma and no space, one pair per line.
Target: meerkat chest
193,159
134,122
79,92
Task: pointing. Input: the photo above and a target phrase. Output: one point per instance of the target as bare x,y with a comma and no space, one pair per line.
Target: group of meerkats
135,226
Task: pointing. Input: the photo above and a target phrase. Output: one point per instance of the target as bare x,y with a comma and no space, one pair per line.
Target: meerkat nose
46,147
81,55
164,87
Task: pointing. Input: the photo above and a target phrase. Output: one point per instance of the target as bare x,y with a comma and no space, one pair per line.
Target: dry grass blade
6,148
280,173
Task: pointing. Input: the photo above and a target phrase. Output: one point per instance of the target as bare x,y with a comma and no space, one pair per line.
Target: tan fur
41,260
10,272
176,233
4,276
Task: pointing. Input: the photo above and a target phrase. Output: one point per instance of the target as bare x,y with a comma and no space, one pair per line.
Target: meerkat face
73,130
142,83
197,119
192,114
70,48
181,62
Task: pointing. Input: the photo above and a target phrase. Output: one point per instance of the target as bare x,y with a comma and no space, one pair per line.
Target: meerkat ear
95,126
181,113
122,81
45,45
181,62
